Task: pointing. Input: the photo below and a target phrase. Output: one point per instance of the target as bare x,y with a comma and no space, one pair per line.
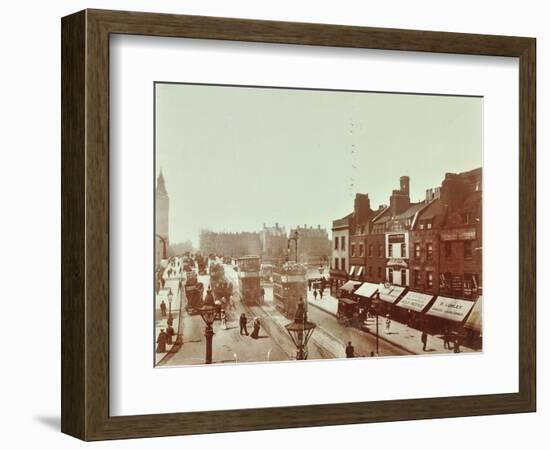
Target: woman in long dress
256,331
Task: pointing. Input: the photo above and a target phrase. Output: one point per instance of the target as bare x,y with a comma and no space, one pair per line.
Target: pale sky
236,157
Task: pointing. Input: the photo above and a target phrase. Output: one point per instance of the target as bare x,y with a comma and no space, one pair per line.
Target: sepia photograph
298,224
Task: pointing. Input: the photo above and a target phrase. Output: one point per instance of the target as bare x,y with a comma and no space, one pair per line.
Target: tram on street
248,270
289,286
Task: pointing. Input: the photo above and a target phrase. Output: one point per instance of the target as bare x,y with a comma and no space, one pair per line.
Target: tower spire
161,185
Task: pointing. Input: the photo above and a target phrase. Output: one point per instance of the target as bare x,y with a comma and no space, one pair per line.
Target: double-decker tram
289,287
249,279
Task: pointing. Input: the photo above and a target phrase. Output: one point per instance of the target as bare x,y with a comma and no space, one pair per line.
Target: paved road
364,343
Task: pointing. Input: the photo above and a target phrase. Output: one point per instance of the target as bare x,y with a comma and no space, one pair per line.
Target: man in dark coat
161,341
242,324
169,335
163,309
350,351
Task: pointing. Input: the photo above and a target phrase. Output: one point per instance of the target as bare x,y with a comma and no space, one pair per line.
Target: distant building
234,245
274,244
162,207
313,245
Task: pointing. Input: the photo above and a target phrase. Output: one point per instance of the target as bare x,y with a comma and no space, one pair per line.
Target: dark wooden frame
85,224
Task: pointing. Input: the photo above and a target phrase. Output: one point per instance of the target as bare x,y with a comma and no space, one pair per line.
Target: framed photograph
272,225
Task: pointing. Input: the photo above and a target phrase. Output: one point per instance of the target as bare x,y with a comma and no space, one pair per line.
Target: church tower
162,206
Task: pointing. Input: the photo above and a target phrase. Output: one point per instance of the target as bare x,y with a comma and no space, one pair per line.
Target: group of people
243,325
319,293
165,338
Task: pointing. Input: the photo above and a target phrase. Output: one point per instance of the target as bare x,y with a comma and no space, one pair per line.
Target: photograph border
85,223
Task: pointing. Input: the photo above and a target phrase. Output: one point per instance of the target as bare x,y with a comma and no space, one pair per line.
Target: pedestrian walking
162,282
256,331
242,324
350,351
309,284
163,308
315,294
223,319
161,341
446,340
388,323
424,339
321,294
456,346
169,335
262,294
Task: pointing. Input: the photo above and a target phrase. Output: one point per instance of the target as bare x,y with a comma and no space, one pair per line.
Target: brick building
360,224
461,236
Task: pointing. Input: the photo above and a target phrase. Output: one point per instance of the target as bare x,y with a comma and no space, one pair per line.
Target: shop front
447,315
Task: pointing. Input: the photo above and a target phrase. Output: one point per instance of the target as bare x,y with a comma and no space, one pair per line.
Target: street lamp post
294,237
170,297
300,331
208,314
179,337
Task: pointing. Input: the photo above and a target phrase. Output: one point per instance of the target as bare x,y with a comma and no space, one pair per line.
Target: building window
466,217
448,250
352,249
370,250
403,250
390,250
429,279
421,225
468,250
416,278
429,225
390,275
343,263
361,250
403,277
335,263
336,243
379,272
343,243
429,250
380,250
370,271
417,250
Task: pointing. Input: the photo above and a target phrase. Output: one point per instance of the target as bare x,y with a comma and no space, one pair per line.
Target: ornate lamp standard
208,313
294,237
300,331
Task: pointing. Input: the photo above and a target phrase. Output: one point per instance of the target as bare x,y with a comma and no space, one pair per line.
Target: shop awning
415,301
390,293
474,319
347,301
455,309
349,286
366,290
360,271
351,271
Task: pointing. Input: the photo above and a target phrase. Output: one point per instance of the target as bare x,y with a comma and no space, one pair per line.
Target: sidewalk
398,334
